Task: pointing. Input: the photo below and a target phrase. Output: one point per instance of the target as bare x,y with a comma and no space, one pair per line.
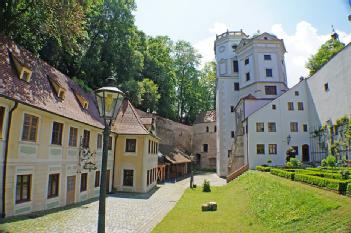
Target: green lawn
260,202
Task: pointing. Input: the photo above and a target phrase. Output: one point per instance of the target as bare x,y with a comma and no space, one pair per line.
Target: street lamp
109,100
288,139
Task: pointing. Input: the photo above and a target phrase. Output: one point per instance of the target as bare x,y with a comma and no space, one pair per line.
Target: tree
149,95
324,54
208,85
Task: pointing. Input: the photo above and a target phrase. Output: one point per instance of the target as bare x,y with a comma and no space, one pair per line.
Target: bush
290,153
206,186
348,189
330,161
324,163
345,174
333,184
283,173
294,162
263,168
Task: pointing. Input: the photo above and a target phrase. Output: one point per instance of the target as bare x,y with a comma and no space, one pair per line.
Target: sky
303,24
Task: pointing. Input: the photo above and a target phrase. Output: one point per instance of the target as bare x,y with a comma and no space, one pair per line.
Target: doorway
71,190
305,153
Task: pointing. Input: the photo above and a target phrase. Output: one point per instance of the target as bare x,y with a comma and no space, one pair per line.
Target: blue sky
303,24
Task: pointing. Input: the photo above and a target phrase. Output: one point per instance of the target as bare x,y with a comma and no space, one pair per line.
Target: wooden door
71,189
107,181
305,153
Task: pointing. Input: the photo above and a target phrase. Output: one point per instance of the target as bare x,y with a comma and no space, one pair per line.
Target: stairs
237,173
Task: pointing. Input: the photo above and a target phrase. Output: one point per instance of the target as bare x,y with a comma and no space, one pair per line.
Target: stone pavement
126,212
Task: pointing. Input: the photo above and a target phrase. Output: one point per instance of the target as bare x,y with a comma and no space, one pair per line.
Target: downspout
114,159
5,158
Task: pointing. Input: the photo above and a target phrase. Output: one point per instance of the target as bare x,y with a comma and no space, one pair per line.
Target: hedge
329,175
348,189
282,173
338,185
263,168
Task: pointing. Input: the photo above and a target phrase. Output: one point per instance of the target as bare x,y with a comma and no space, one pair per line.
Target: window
274,107
128,177
232,134
56,136
207,129
297,93
86,138
99,141
149,148
326,87
148,178
73,136
109,143
231,108
270,90
272,149
235,67
83,182
294,127
267,57
130,145
247,61
300,106
229,153
236,86
259,127
296,149
205,147
23,188
215,128
260,149
30,128
269,73
247,76
97,179
305,129
272,127
2,117
53,187
290,106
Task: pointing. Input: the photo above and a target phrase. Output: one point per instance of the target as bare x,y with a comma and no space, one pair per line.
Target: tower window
248,76
236,86
326,87
269,73
270,90
231,108
297,93
274,107
267,57
235,66
247,61
205,147
232,134
290,106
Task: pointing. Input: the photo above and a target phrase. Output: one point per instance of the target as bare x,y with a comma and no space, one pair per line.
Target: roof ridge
137,116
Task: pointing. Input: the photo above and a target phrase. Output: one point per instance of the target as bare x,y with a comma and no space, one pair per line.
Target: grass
260,202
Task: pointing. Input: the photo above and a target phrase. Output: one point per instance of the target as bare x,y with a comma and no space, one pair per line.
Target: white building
266,125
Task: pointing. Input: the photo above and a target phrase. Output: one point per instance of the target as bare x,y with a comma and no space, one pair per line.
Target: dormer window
82,100
23,72
58,87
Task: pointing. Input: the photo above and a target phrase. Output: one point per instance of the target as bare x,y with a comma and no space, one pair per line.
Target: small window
270,90
23,188
272,149
294,127
56,137
267,57
326,87
272,127
128,177
236,86
235,66
207,129
290,106
296,149
205,147
247,61
30,128
73,136
2,117
297,93
231,108
83,182
248,76
305,128
300,106
130,145
259,127
86,138
260,149
229,153
269,73
232,134
274,107
99,141
53,187
215,128
109,143
97,179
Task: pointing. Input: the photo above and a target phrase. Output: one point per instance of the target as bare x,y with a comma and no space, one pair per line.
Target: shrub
348,189
345,174
333,184
263,168
294,162
290,153
283,173
206,186
330,160
324,163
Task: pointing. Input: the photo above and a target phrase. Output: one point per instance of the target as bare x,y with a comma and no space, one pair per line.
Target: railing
237,173
231,33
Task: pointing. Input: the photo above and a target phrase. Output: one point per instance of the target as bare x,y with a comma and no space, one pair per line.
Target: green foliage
294,162
206,187
263,168
330,161
324,163
149,95
324,54
290,153
333,184
282,173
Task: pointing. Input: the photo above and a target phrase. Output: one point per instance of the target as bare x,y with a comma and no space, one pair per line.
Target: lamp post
191,171
109,100
288,139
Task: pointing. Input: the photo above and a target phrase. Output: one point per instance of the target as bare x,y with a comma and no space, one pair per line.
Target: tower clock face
222,48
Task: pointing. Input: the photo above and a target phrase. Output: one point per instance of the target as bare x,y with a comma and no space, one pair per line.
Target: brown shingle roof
204,117
146,120
177,156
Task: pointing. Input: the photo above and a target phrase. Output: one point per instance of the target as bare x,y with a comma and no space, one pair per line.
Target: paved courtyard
125,212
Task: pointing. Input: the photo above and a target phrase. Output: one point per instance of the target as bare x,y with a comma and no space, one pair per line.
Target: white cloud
300,45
